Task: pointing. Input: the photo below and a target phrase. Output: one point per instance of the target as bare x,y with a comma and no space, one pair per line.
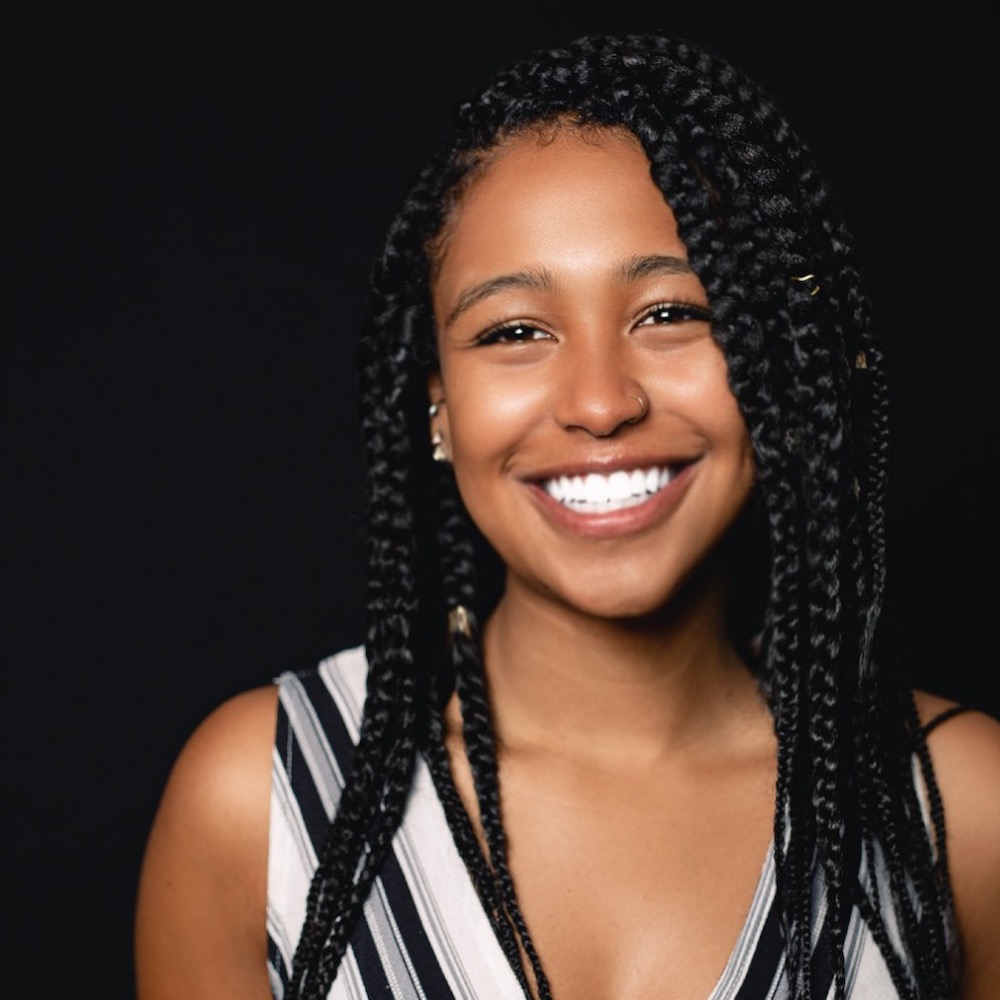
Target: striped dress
425,934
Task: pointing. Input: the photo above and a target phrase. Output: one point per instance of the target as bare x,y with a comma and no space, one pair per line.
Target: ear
438,419
435,388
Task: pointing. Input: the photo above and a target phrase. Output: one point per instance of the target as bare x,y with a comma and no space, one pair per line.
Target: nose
597,393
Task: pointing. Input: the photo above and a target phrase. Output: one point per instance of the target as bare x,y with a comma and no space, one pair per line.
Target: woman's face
594,437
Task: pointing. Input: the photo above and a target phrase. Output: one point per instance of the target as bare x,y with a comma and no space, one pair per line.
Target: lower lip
615,523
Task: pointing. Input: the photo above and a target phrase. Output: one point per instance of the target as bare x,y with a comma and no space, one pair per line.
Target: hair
795,324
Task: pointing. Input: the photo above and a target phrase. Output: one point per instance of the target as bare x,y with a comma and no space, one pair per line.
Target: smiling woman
563,296
618,347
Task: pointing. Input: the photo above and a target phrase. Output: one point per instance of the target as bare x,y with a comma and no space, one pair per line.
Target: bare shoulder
220,753
965,750
200,913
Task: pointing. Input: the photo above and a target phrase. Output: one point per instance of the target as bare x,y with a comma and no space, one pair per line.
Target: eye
674,312
512,333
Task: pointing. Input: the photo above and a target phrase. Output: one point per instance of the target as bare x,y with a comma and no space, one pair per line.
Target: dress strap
943,717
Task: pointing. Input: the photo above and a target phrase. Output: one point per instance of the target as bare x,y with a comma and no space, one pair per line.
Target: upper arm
200,928
966,755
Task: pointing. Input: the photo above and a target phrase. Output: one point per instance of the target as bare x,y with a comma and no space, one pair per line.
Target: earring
437,440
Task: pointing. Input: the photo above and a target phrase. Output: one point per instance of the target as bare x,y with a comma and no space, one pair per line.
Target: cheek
697,389
489,412
733,434
704,396
737,437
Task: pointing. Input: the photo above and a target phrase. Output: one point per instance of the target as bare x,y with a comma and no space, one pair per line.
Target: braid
372,802
480,748
793,320
490,864
460,590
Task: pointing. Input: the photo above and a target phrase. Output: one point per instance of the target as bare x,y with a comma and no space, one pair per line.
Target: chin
617,606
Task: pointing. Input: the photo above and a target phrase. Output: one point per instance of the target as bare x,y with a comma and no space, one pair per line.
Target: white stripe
291,862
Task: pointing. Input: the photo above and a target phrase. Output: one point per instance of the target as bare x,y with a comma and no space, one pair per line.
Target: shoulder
965,750
222,773
200,913
226,761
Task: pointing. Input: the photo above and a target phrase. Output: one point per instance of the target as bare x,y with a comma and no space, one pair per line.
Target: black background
190,204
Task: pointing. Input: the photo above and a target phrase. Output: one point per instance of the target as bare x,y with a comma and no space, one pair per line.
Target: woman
625,723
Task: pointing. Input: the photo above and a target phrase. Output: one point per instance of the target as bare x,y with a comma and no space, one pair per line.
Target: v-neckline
733,973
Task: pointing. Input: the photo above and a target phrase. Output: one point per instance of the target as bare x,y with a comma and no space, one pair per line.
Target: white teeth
595,493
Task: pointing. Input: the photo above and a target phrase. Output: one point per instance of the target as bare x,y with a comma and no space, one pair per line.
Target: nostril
603,414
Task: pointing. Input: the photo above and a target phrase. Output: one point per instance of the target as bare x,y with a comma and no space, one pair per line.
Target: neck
640,688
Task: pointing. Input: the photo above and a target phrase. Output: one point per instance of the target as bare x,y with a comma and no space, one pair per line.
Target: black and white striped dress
425,934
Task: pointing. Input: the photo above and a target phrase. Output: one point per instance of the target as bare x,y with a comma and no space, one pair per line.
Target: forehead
562,199
556,164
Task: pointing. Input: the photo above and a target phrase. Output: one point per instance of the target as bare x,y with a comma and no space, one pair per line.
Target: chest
637,886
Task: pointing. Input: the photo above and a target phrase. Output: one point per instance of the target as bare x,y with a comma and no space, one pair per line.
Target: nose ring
642,408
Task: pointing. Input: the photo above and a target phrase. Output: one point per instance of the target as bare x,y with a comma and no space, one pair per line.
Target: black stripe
376,983
330,718
412,931
766,959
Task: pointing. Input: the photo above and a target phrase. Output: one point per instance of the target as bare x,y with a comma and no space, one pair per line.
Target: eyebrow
654,263
540,279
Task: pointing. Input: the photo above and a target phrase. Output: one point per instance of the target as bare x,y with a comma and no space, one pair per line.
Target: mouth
595,493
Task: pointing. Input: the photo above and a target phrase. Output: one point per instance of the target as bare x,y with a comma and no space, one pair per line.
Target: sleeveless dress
425,934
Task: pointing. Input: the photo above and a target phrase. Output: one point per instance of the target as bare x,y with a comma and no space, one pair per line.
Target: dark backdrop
189,208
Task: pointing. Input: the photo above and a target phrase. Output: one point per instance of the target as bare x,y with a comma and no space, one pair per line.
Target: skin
633,746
